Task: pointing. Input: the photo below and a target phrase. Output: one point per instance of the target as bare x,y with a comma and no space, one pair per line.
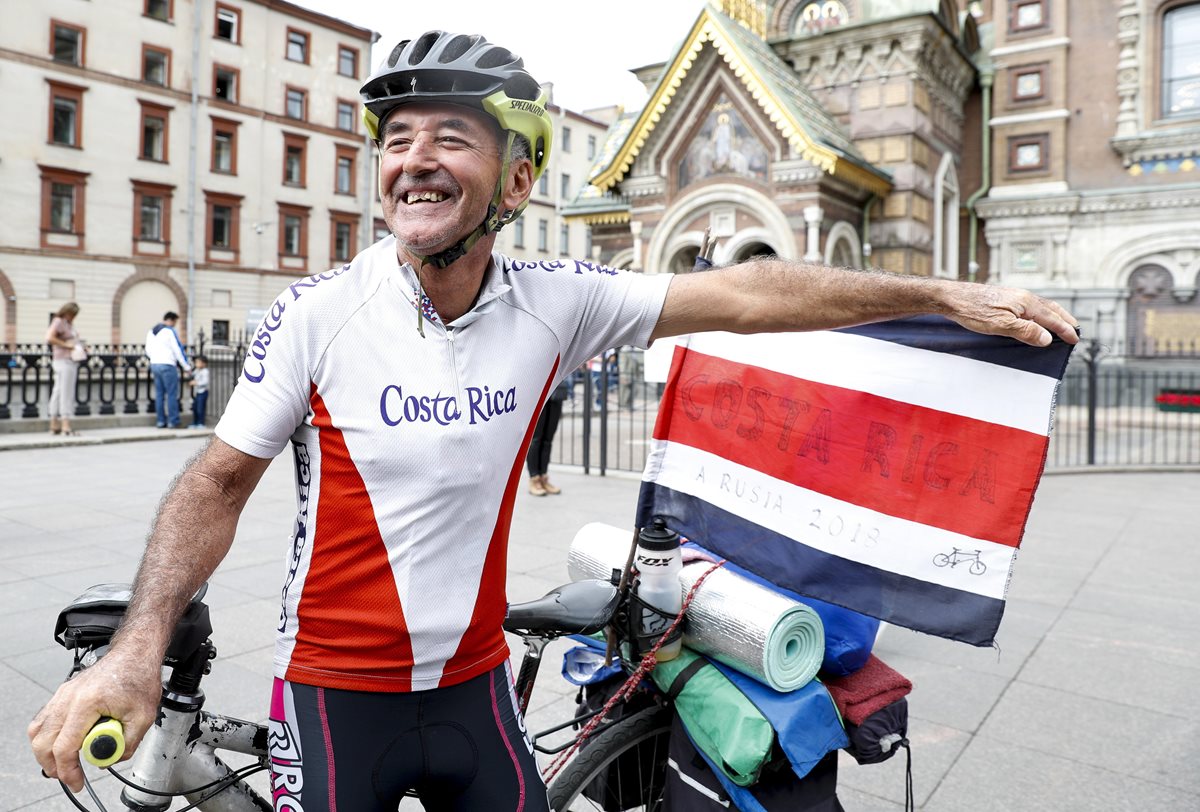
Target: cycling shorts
461,747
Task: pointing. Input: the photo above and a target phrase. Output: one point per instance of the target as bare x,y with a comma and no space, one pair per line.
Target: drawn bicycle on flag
957,557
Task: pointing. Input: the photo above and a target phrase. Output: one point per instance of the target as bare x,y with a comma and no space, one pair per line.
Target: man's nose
421,155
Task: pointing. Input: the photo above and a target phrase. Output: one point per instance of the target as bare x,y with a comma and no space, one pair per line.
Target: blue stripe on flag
897,599
940,334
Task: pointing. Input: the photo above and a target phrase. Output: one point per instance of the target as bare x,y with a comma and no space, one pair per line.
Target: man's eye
398,144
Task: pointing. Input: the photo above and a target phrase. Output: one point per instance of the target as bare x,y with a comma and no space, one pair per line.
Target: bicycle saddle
580,607
92,619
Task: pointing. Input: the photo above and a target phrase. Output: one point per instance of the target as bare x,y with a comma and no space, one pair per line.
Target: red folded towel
876,685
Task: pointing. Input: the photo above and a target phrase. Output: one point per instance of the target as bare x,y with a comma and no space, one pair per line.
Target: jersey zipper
454,362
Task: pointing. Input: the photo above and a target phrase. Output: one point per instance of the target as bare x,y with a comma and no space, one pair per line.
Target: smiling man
407,383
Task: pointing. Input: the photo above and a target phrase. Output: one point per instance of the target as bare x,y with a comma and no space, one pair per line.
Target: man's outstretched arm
191,535
770,295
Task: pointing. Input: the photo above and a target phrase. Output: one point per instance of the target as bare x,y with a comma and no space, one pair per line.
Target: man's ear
519,185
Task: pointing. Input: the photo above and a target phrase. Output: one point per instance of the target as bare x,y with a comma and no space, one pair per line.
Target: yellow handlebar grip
105,743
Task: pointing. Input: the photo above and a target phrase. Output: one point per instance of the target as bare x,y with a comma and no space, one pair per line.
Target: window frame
236,75
219,126
1017,71
300,142
287,102
149,110
564,239
591,147
354,52
379,230
80,45
302,213
234,204
1015,5
142,190
353,108
350,220
543,242
73,93
147,49
519,233
50,175
340,153
565,138
287,45
1164,111
170,4
237,26
1042,139
564,186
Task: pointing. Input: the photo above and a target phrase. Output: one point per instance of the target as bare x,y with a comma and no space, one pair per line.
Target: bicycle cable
220,784
647,664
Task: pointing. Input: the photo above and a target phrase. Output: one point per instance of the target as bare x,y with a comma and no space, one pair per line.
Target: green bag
722,722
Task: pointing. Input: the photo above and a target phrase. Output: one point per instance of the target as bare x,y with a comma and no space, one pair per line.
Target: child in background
199,391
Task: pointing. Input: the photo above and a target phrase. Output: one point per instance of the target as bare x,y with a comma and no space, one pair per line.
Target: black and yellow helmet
439,66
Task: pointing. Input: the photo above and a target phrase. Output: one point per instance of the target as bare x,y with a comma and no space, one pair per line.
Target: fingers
56,740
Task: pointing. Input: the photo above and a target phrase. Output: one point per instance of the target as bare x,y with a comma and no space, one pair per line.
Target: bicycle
179,755
977,567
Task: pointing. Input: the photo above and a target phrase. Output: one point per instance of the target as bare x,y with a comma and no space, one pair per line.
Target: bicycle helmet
439,66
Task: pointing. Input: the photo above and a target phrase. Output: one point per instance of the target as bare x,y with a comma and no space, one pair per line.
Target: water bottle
659,563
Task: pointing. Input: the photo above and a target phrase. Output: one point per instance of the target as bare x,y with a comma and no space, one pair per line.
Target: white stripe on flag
990,392
830,525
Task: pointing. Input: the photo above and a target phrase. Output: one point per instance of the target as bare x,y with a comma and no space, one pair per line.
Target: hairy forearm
191,534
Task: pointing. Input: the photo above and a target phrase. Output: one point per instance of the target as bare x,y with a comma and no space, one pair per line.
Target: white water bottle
659,563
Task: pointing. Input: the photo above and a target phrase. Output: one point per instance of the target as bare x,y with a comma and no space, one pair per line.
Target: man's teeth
435,197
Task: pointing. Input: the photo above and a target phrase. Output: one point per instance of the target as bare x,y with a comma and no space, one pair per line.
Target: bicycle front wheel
622,768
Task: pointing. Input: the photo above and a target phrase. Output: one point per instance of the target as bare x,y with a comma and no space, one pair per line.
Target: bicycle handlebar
104,744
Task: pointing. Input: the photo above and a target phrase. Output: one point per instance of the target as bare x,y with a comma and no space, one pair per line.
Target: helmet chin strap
492,223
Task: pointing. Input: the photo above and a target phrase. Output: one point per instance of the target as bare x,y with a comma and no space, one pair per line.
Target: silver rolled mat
776,640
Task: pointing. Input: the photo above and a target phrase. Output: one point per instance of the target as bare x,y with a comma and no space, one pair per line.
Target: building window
66,114
1029,153
381,230
225,83
564,239
591,147
224,216
155,132
296,102
1026,15
1028,83
293,231
228,24
346,111
66,43
295,169
566,138
62,207
1181,62
341,237
343,173
151,212
159,9
156,65
348,61
297,46
220,331
543,235
564,186
519,234
224,149
544,184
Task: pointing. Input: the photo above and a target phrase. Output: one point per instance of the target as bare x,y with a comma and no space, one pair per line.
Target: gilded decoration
724,146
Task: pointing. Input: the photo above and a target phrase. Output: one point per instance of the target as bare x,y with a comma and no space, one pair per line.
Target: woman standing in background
63,339
538,458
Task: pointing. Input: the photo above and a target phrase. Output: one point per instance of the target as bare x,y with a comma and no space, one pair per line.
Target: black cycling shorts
462,747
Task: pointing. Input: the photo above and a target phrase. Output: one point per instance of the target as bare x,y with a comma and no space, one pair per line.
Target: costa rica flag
888,468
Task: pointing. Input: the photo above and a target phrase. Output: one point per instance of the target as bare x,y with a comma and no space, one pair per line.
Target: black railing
1114,409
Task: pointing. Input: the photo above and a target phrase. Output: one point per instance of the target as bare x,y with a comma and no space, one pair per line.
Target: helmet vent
495,56
394,56
456,48
420,48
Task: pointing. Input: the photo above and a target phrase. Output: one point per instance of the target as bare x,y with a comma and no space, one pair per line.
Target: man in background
166,357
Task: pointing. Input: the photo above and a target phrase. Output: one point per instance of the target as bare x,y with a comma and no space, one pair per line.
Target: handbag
78,353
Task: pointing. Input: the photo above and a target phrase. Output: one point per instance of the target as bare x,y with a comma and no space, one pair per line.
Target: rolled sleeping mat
776,640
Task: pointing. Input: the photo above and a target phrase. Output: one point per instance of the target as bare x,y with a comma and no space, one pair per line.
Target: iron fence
1116,406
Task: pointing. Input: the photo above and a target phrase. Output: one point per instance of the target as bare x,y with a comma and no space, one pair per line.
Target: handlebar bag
718,716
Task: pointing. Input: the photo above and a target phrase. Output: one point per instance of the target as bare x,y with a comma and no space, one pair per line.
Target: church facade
1025,142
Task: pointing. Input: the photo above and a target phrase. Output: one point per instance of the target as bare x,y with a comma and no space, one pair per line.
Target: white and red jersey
408,452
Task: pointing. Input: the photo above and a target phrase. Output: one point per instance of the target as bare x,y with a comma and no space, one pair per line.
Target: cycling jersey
408,452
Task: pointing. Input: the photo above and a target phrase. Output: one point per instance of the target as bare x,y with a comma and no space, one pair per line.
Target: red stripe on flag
940,469
351,623
486,633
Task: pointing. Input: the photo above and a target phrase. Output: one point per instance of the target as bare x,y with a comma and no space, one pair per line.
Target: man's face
437,173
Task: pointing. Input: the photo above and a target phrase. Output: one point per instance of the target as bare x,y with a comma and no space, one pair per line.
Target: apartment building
186,155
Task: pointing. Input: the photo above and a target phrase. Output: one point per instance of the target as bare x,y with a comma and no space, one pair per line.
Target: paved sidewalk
1085,707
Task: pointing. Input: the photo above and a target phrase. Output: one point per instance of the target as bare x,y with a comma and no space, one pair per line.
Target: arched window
945,219
819,15
1181,62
